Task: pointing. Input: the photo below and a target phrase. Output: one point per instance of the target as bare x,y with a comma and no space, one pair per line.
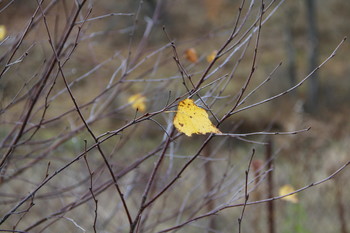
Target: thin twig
104,16
85,123
149,184
91,189
40,86
295,86
257,202
246,194
264,133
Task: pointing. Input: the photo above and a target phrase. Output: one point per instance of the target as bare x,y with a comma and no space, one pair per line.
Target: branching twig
295,86
91,189
246,194
85,123
143,206
258,202
40,86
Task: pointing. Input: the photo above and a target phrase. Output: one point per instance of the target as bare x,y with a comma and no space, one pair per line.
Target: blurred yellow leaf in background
191,55
138,102
211,56
285,189
2,32
191,119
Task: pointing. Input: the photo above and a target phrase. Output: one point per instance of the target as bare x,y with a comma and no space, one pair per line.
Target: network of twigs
32,165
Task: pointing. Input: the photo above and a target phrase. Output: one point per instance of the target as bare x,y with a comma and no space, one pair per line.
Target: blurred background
134,36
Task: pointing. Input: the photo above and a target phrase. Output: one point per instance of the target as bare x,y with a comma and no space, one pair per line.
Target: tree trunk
313,84
270,188
290,48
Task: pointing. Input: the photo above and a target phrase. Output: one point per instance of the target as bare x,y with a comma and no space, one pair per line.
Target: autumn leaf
211,56
285,189
138,102
2,32
191,119
191,55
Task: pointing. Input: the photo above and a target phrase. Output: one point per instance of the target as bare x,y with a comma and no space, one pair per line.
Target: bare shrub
75,156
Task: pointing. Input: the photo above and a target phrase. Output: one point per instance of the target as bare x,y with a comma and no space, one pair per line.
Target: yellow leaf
191,55
2,32
285,189
191,119
138,102
211,56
